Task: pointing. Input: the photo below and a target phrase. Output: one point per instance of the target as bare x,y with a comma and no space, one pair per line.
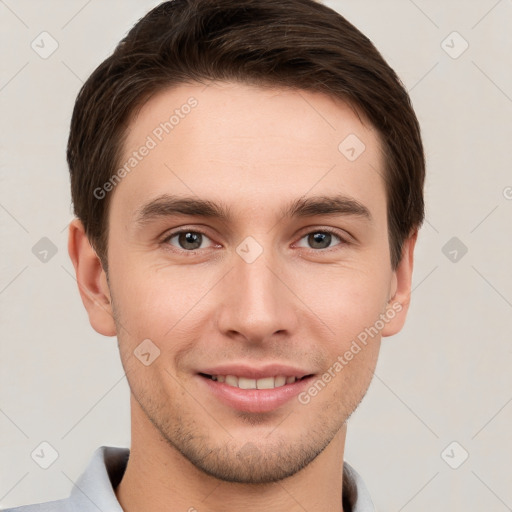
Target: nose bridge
258,303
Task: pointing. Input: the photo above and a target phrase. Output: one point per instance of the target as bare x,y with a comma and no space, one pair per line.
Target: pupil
317,239
190,238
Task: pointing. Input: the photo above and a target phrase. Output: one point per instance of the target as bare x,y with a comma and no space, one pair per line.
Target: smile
254,393
246,383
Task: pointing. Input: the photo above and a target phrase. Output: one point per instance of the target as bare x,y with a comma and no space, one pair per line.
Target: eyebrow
168,205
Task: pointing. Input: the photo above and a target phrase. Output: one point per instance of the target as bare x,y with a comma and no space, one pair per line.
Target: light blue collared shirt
94,490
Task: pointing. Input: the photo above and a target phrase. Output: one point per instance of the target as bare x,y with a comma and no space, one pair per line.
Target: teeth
280,381
245,383
266,383
231,380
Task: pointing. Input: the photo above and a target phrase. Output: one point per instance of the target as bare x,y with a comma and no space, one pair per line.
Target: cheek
354,349
155,302
353,302
345,381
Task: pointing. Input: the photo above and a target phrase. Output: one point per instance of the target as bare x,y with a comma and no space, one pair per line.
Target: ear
91,279
398,304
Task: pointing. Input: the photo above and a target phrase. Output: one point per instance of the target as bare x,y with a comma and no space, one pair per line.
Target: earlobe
400,289
91,279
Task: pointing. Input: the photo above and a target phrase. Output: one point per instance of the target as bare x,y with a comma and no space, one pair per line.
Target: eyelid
344,237
185,229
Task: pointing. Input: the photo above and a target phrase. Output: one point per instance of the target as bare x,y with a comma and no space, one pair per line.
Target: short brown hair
299,44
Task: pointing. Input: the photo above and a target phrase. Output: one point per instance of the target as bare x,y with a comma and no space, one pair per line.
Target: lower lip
255,400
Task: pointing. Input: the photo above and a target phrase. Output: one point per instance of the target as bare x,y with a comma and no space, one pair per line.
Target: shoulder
94,489
356,497
50,506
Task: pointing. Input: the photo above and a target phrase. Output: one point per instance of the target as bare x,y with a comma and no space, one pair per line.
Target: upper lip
253,372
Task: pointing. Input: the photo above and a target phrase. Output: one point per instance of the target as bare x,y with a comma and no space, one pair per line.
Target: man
247,177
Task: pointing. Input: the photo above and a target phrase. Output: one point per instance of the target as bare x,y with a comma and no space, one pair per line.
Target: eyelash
169,236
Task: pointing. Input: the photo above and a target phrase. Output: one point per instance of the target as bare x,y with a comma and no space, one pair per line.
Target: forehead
251,145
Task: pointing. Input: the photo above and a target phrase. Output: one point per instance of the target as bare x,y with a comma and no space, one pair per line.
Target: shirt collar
94,490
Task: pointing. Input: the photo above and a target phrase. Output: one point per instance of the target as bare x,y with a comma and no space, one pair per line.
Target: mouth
235,381
255,391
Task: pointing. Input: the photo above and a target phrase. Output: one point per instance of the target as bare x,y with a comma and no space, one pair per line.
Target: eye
187,239
321,239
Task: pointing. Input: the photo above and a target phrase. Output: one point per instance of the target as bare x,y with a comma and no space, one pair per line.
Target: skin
255,150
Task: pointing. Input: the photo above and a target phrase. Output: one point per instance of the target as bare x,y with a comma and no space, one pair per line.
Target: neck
158,478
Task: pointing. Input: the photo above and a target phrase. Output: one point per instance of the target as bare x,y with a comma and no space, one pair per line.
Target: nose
258,302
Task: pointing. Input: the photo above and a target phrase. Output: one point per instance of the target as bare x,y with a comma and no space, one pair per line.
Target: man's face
260,293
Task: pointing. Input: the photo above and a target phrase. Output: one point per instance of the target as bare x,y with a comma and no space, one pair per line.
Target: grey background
445,378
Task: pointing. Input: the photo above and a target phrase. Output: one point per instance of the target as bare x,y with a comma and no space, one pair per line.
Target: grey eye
188,240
